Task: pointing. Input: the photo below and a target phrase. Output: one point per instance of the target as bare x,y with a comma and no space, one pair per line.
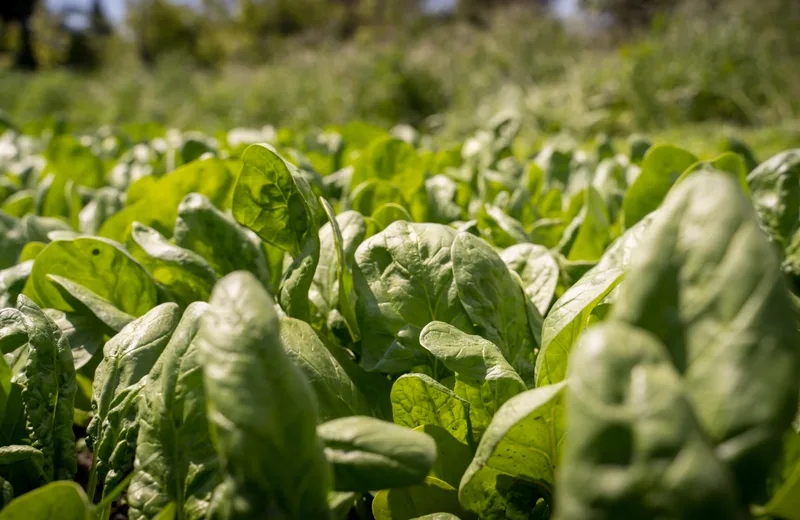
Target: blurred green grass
734,69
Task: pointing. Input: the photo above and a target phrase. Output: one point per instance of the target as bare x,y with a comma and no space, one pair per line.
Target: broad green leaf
419,400
127,359
483,376
19,204
406,281
105,202
31,251
175,460
516,460
389,213
12,236
432,496
84,333
785,499
337,395
394,161
495,302
708,284
220,240
62,500
499,228
341,502
49,392
159,208
12,282
372,194
775,192
593,234
569,316
87,303
661,167
547,232
274,200
183,274
297,279
368,453
345,251
452,455
538,270
567,320
634,449
269,452
443,206
728,162
99,265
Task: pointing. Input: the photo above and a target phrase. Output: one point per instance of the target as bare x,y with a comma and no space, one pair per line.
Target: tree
20,12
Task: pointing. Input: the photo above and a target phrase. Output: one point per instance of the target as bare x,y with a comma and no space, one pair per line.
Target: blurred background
444,66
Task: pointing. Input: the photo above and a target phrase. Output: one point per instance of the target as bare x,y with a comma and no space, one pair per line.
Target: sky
115,9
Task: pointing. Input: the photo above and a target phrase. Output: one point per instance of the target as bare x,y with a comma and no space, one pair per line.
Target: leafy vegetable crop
359,324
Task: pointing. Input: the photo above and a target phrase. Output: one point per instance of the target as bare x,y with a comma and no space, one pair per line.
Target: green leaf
127,359
661,167
19,204
721,307
452,455
500,229
12,282
368,453
219,239
99,265
341,502
594,231
175,459
389,213
183,274
337,395
85,335
406,282
407,503
372,194
518,455
483,376
274,200
419,400
49,392
87,303
567,320
391,160
341,288
569,316
495,302
443,206
269,452
538,270
12,236
158,209
105,202
297,279
634,449
727,162
62,500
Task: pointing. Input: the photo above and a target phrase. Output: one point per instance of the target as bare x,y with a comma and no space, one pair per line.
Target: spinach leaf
483,376
49,392
175,459
182,274
270,456
496,302
368,453
518,455
404,281
419,400
99,265
661,167
707,283
432,496
119,378
634,449
158,208
220,240
538,270
336,393
62,500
